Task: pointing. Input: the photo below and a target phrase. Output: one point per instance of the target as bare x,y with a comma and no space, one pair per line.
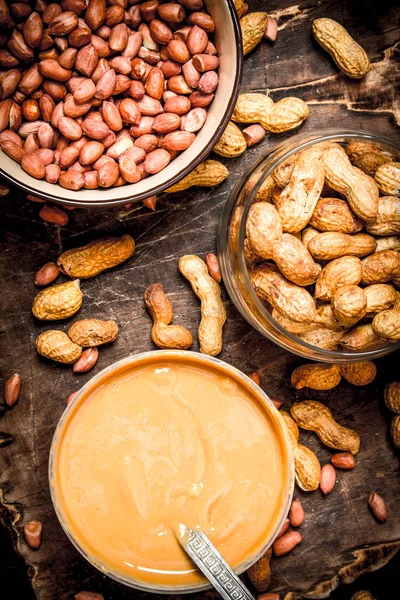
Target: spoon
207,558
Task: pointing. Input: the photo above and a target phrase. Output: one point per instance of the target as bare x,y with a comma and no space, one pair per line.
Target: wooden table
341,538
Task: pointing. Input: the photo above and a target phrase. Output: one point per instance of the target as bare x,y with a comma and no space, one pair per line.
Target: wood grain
341,538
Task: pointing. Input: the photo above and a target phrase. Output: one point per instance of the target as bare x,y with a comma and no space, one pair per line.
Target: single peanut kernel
33,534
255,377
12,389
378,507
296,513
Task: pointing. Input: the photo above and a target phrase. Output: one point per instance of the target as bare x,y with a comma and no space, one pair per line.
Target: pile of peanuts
99,93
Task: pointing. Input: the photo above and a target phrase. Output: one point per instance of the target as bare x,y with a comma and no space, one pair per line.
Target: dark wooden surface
341,539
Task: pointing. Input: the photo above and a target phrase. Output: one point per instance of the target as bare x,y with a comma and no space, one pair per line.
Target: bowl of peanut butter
164,438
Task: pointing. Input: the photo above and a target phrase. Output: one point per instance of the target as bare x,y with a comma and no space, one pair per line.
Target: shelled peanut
333,242
102,94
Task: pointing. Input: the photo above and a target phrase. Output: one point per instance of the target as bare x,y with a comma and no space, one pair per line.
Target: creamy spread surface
164,443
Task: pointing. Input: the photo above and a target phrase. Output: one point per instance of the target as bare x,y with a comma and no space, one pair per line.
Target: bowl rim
264,400
156,189
293,144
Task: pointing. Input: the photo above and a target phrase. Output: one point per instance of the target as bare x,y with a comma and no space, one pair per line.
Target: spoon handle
212,565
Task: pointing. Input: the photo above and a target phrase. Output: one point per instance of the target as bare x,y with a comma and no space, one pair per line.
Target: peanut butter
166,441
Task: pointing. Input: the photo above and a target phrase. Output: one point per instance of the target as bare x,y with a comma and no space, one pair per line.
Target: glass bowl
197,359
228,41
232,237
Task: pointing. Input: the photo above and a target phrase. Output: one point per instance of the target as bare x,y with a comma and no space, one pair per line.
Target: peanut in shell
95,257
93,332
316,417
58,301
57,346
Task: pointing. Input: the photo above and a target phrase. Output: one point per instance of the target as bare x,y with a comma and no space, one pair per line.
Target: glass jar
232,238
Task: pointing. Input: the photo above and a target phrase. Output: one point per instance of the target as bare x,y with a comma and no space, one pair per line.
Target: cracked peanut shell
90,260
58,301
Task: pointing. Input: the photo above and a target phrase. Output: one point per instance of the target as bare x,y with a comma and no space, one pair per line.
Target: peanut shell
331,244
95,257
260,573
291,300
306,463
322,338
395,431
294,260
207,174
367,156
57,346
292,326
387,221
213,313
263,228
392,396
58,301
253,27
93,332
386,324
361,373
361,337
361,191
232,142
380,267
346,270
298,200
349,56
316,417
332,214
380,296
349,305
388,178
316,376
